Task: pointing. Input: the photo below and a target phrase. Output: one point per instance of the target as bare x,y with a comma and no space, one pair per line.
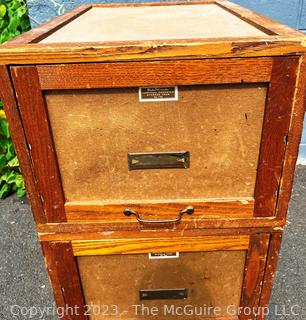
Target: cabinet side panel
12,113
294,138
254,273
38,135
64,278
275,134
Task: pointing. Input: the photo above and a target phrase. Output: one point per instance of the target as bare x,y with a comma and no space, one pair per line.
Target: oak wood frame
281,73
280,40
16,128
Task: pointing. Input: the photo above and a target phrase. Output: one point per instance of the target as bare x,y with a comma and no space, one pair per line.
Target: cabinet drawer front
221,139
95,131
218,126
123,283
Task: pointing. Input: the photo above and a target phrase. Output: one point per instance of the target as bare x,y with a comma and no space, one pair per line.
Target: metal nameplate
164,255
163,294
154,94
168,160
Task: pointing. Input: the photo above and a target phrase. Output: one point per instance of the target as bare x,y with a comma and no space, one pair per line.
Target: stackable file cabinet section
158,144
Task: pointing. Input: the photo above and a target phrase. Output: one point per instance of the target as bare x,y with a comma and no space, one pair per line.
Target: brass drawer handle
189,210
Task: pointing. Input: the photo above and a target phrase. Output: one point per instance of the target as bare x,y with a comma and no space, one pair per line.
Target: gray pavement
24,282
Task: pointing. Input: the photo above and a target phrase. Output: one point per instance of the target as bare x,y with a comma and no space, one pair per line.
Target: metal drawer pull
189,210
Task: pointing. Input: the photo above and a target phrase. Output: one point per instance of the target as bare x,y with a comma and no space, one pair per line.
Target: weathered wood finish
180,72
270,272
90,232
12,113
293,140
80,212
74,229
154,50
64,278
146,245
275,134
265,24
38,136
254,273
281,41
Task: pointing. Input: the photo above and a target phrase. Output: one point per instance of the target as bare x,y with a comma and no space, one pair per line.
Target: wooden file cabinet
158,143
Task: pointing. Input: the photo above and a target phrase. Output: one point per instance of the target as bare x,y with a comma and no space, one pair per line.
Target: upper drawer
98,149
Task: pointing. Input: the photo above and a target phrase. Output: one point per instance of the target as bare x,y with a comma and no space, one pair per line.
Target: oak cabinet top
153,31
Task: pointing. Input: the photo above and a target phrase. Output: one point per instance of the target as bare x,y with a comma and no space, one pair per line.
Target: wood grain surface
281,40
58,233
64,277
254,273
293,140
38,135
8,98
270,272
146,245
275,134
131,74
82,211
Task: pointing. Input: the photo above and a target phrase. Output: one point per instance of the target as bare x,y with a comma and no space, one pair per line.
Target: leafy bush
13,21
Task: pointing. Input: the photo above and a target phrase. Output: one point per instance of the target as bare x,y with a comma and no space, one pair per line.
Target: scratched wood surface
7,95
254,274
64,277
279,40
38,135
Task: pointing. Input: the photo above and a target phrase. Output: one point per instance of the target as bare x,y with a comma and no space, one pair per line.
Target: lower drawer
137,286
204,277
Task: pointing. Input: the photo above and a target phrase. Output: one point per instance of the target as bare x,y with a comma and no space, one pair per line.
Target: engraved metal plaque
163,294
157,160
153,94
164,255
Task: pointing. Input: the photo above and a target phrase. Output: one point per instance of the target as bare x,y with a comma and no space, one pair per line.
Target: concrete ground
24,282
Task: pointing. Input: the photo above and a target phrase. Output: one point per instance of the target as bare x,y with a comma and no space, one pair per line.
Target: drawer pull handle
189,210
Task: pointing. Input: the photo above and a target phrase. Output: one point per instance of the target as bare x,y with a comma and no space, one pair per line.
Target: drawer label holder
154,94
158,160
164,255
163,294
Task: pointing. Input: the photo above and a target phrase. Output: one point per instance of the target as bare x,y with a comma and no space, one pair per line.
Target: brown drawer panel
213,279
95,130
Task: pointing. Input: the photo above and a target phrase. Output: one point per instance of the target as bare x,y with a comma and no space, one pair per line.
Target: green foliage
10,178
13,21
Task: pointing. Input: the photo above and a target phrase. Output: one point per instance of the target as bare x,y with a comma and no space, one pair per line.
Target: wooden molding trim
12,113
82,212
59,234
106,75
275,133
263,23
293,141
152,50
273,255
254,273
146,245
64,277
97,231
38,135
